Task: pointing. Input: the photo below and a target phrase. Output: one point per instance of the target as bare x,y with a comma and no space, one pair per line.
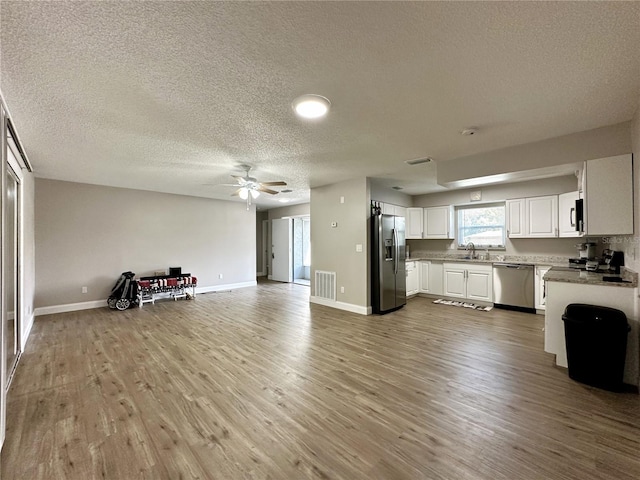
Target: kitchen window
483,225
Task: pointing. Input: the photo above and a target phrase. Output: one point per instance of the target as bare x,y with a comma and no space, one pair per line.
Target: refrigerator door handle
395,250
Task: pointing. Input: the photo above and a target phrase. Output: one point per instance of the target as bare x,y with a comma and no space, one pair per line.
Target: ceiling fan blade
267,190
274,184
236,193
226,184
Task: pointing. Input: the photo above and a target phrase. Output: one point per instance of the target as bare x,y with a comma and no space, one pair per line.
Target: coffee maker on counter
586,256
613,260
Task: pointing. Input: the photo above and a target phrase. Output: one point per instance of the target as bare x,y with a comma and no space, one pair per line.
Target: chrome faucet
472,247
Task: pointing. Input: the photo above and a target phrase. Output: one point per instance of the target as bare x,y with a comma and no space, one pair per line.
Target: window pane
484,226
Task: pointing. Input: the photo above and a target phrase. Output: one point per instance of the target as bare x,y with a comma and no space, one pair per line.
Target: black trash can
596,340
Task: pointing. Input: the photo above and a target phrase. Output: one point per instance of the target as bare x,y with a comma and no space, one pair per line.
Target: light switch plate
358,247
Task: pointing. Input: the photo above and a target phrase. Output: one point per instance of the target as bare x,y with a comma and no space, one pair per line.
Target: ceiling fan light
244,193
311,106
254,193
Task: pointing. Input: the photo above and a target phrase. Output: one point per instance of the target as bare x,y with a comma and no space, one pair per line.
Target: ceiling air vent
418,161
397,188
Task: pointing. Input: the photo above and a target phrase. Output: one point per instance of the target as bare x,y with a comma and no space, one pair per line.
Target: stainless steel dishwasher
513,286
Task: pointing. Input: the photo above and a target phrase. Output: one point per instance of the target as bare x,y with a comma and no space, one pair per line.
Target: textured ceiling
170,96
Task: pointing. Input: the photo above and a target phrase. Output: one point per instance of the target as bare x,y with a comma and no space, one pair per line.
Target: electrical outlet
341,289
84,290
220,276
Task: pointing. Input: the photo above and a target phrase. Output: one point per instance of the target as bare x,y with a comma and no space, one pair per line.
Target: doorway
302,250
11,248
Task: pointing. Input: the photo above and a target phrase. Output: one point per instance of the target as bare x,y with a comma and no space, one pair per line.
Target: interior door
281,250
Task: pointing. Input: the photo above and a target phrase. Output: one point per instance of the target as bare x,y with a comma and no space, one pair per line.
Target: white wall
383,194
86,235
578,147
28,253
290,211
334,249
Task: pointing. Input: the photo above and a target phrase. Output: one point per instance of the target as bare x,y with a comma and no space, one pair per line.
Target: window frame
470,206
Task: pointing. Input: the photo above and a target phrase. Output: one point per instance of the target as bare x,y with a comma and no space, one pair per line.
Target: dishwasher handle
517,266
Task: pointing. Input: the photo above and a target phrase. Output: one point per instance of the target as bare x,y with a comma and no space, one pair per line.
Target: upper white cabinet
438,222
515,218
542,216
390,209
387,208
535,217
608,196
413,223
567,214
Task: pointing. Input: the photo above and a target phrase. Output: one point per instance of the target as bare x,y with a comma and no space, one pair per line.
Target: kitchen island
565,286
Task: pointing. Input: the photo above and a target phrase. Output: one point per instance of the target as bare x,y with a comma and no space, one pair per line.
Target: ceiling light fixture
311,106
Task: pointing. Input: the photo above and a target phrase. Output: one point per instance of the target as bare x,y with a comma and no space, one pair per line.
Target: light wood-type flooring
259,384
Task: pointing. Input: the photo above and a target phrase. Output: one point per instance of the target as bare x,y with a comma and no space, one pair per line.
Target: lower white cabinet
430,273
470,281
540,287
412,278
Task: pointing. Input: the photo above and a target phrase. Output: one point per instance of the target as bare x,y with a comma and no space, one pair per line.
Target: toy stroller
124,293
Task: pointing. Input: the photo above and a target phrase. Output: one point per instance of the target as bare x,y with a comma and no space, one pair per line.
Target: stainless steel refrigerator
389,281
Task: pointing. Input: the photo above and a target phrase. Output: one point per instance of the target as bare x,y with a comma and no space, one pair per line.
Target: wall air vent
325,285
418,161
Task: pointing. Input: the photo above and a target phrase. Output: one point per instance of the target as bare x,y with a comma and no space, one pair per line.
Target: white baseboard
69,307
229,286
73,307
349,307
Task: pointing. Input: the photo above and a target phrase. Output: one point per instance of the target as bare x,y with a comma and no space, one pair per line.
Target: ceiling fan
249,187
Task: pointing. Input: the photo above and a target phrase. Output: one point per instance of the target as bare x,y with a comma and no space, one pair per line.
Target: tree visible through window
483,225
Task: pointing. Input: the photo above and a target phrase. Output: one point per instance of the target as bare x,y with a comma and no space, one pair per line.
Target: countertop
493,258
567,275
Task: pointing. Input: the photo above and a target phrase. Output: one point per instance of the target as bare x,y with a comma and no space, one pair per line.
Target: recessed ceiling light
418,161
469,131
311,106
284,200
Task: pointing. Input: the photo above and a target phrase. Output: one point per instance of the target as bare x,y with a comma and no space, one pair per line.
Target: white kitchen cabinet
455,280
470,281
413,225
534,217
438,222
567,214
387,208
540,287
515,218
430,273
400,211
542,216
480,283
412,278
608,196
